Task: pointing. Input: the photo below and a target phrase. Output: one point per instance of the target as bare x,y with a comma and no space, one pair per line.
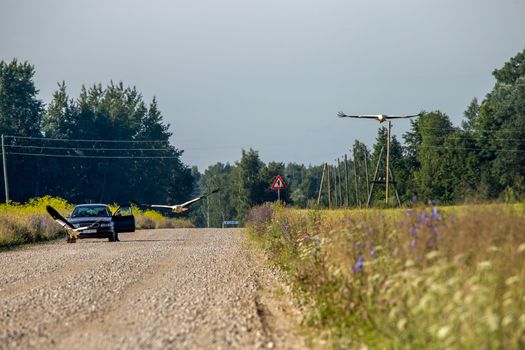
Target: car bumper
99,232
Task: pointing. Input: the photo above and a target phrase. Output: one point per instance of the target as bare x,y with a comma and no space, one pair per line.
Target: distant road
162,289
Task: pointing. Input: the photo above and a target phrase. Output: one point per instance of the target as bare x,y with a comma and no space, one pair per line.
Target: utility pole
357,202
321,185
381,118
366,169
387,160
6,183
329,192
336,200
346,180
341,201
375,177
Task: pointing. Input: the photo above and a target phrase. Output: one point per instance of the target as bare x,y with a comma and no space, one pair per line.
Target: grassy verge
150,219
30,223
404,279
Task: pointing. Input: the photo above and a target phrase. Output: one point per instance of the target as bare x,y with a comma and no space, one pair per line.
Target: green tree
249,185
20,115
500,131
433,129
219,206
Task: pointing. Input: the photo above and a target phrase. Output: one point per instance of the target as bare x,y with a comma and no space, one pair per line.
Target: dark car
106,224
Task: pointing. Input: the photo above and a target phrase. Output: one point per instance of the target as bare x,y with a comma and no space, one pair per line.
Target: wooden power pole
387,160
366,169
328,182
357,202
4,162
347,185
321,185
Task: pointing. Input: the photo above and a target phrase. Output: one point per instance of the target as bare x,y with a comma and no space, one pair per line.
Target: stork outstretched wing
403,116
72,231
365,116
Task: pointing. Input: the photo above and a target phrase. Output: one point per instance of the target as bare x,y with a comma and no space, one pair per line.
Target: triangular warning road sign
278,183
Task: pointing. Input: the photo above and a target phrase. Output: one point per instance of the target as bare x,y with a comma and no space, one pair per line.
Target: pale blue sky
270,74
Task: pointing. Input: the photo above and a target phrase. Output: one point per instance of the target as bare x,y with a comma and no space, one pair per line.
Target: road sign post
278,184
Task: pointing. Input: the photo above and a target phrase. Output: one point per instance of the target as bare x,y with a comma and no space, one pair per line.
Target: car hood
89,221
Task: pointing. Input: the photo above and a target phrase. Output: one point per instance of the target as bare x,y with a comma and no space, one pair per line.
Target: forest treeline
105,145
108,144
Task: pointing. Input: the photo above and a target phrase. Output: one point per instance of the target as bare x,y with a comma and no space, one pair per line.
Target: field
29,222
417,278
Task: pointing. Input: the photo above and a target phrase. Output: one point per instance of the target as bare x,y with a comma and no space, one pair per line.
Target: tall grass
150,219
408,279
29,222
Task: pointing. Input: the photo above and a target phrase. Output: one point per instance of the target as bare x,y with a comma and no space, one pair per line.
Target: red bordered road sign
278,183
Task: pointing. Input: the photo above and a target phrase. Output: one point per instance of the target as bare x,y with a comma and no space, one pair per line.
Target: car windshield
91,211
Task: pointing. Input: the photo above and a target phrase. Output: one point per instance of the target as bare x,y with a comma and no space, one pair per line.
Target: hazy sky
270,74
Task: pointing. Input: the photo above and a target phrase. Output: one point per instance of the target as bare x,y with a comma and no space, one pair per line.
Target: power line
95,157
90,149
472,149
477,131
80,140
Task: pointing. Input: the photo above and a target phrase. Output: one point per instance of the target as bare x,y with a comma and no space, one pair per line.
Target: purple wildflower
316,239
414,198
413,231
359,265
413,243
373,253
434,213
307,237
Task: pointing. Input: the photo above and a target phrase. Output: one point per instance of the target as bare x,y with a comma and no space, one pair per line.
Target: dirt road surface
156,289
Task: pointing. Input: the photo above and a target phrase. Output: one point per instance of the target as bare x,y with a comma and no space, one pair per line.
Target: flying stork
380,117
177,208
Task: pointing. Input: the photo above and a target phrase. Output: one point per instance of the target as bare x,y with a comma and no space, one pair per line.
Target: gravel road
156,289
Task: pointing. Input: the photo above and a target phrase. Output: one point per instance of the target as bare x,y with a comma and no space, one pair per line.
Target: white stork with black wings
380,117
177,208
72,231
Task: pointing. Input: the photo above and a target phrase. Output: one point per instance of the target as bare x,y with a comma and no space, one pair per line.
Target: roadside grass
150,219
30,222
417,278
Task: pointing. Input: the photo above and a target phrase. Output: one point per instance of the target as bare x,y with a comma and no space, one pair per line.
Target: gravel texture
156,289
